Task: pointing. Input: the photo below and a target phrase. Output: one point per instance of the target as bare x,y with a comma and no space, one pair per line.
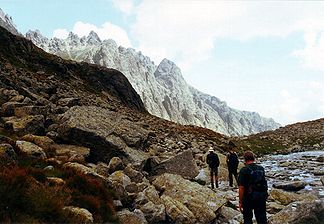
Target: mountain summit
163,89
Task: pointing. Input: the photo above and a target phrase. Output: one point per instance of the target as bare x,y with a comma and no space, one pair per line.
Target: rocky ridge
162,88
77,117
6,22
291,138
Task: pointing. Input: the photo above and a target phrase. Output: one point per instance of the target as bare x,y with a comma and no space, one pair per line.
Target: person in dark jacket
232,164
252,190
213,163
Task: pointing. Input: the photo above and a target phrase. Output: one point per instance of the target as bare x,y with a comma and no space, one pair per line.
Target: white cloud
312,56
301,104
60,33
187,31
105,31
126,6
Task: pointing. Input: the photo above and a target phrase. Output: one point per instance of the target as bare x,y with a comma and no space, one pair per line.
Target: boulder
182,164
77,215
285,198
290,186
30,150
102,169
229,215
31,110
154,213
133,174
120,177
115,164
18,98
7,155
42,141
177,211
73,153
106,132
274,207
77,167
300,212
32,124
127,217
201,201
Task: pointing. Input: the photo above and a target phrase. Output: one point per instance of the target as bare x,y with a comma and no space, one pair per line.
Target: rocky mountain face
75,132
291,138
162,88
6,22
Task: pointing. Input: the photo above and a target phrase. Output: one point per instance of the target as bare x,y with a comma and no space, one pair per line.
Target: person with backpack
213,163
232,164
253,190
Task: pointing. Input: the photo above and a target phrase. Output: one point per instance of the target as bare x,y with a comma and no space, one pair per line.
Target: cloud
187,31
105,31
312,55
60,33
301,104
126,6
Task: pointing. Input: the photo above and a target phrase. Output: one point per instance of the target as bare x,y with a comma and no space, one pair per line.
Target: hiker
252,190
213,163
232,163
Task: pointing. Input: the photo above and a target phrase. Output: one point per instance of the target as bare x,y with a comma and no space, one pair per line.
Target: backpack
213,160
233,160
258,187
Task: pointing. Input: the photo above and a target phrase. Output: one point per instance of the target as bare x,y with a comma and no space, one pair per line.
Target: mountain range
162,88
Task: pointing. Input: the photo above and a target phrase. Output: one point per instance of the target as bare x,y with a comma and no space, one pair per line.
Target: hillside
295,137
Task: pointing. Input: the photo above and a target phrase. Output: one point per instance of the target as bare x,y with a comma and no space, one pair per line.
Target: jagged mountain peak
6,22
93,38
162,88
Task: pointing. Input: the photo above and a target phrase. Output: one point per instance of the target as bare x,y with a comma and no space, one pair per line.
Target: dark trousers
214,174
231,173
259,208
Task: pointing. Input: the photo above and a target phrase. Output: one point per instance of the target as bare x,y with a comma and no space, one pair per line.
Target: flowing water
302,166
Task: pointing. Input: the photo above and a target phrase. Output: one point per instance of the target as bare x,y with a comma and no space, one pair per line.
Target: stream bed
305,166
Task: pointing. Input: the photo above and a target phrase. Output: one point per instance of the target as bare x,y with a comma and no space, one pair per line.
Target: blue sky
259,56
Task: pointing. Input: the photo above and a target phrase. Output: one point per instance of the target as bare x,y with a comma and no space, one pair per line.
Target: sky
262,56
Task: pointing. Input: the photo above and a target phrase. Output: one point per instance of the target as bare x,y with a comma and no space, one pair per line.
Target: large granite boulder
300,213
201,201
290,186
285,198
182,164
106,133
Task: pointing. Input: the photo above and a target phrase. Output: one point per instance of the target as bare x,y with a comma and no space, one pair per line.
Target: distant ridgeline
162,88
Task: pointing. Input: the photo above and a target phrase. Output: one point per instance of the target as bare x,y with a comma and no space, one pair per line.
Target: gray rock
285,198
107,133
290,186
182,164
133,174
201,201
300,212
